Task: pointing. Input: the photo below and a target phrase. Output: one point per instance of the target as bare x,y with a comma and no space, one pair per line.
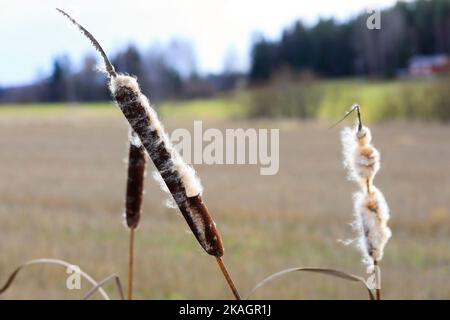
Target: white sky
32,32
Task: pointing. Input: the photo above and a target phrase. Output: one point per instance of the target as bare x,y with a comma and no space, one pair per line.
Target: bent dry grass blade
327,271
99,285
63,263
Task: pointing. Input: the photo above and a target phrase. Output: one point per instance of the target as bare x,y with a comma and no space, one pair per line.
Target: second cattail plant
137,162
371,212
180,178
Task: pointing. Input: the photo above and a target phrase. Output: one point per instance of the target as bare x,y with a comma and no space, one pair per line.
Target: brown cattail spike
203,226
137,162
176,174
179,178
169,164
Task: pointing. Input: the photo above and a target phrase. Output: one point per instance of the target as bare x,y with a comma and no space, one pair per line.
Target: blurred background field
330,99
62,189
294,66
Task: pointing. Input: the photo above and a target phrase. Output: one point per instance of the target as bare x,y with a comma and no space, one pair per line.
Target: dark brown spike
137,162
193,209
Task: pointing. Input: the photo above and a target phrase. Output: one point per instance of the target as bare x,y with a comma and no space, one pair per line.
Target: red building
429,65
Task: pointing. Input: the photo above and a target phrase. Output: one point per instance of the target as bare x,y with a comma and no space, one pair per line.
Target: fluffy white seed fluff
187,174
162,185
131,83
371,216
361,158
169,202
133,138
122,80
155,123
364,136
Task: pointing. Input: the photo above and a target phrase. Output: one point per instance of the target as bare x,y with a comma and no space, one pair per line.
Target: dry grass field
62,183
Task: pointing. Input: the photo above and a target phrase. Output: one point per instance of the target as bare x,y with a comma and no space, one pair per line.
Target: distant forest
167,72
326,49
332,49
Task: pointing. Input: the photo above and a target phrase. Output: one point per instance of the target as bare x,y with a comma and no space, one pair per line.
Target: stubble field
62,183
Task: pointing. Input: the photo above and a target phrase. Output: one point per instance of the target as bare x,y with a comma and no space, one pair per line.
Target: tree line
166,71
327,49
333,49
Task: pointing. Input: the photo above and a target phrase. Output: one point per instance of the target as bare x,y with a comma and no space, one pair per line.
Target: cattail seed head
137,162
371,216
363,136
367,162
179,178
361,158
371,211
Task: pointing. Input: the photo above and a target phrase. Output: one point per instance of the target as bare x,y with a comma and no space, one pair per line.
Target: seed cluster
371,211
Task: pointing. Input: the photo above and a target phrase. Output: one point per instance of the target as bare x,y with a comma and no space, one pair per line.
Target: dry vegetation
62,184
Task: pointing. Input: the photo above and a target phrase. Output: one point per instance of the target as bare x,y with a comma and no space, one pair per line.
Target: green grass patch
54,109
380,100
327,99
219,108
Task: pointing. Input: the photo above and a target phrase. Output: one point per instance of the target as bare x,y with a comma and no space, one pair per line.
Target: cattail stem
368,186
377,280
130,264
359,117
228,278
371,211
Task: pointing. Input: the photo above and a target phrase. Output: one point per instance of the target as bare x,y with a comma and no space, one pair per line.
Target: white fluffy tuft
371,216
123,81
371,212
361,158
188,175
364,136
133,138
162,185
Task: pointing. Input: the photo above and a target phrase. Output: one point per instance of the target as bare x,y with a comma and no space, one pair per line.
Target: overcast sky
32,32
